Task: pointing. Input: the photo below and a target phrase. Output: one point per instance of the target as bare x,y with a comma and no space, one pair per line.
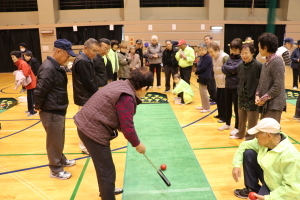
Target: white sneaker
224,127
200,108
61,175
234,137
159,87
150,87
295,88
205,111
234,131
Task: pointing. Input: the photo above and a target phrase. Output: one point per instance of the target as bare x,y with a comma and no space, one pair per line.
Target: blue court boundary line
40,166
199,119
20,130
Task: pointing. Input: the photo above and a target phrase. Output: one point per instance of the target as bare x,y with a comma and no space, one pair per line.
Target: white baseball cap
267,125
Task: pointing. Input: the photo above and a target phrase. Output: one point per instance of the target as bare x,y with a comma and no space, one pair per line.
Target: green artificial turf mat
159,130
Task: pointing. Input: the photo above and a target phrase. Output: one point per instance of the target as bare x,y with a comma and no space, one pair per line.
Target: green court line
216,148
43,154
80,179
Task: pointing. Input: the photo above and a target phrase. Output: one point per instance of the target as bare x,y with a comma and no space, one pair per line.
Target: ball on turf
251,196
163,167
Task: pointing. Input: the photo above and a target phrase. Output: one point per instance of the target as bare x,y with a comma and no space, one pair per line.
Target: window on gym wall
171,3
248,3
18,5
90,4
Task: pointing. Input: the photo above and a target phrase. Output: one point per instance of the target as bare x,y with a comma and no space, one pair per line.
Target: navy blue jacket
204,68
294,57
230,70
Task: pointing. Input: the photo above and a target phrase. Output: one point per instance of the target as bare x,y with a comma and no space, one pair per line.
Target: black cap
23,44
65,45
298,42
139,41
289,40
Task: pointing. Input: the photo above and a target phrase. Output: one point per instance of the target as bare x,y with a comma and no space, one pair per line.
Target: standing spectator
284,51
124,62
185,57
23,49
219,58
170,63
154,54
295,57
112,73
136,62
32,61
111,109
51,99
26,69
212,89
204,68
297,111
102,62
183,90
84,77
139,50
270,93
231,81
270,159
248,73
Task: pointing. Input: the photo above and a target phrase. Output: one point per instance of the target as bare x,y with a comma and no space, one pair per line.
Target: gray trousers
244,116
204,96
54,126
275,114
104,166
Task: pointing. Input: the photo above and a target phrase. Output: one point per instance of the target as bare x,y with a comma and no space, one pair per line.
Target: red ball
251,196
163,167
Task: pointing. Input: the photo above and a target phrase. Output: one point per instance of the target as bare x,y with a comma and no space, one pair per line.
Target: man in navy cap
139,50
284,52
51,100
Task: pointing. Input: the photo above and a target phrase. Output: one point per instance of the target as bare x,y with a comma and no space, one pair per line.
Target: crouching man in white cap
270,158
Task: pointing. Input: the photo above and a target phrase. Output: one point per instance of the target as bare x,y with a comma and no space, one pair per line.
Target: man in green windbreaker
270,158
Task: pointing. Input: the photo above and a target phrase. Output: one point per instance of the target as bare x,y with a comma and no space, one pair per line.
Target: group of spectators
237,80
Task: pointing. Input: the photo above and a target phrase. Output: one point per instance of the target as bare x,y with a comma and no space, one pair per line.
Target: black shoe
217,116
118,191
242,193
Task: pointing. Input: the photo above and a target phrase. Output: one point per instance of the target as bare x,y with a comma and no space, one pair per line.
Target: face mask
23,49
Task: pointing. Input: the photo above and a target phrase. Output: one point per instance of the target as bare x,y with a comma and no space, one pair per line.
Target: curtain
254,31
10,40
85,32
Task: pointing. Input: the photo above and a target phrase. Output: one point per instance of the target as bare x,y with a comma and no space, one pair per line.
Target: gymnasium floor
23,161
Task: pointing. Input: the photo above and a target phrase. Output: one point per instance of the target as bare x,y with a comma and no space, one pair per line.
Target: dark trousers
297,112
54,126
104,166
295,77
115,76
231,96
212,89
181,96
253,173
168,71
157,68
185,73
30,101
221,103
275,114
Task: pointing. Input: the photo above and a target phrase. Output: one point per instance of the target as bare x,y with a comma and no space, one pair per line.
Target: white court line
284,119
18,177
170,191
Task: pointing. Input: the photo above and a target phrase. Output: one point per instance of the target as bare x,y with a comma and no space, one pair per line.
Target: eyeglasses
93,50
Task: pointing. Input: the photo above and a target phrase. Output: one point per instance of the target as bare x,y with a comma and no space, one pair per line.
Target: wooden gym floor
23,161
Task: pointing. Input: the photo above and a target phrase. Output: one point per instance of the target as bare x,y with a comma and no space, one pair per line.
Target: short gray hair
202,45
154,37
89,42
